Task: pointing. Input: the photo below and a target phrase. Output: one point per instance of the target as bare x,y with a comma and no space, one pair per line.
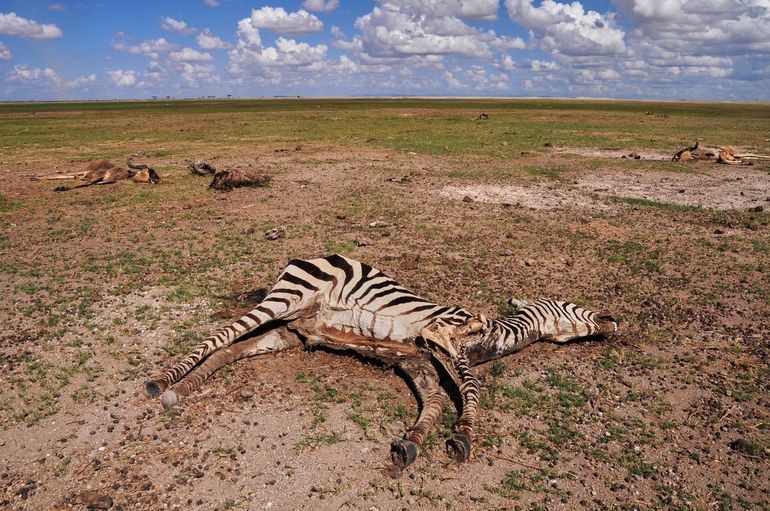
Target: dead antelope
105,172
727,155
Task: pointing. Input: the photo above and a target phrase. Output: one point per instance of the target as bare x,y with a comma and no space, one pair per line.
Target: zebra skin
341,304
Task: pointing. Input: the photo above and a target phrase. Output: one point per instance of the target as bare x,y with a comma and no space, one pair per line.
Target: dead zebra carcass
727,155
105,172
201,168
226,180
340,304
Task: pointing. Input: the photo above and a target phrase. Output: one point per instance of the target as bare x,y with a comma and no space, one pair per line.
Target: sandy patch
723,188
613,153
535,196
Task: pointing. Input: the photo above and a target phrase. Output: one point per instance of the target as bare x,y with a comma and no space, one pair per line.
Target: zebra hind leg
271,342
425,382
279,304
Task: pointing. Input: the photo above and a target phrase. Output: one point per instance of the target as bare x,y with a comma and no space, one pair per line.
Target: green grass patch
555,173
313,441
666,206
8,205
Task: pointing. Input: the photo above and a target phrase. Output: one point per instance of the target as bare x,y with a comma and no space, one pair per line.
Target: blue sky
665,49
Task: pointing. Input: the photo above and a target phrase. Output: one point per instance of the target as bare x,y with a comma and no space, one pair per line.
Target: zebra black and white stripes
342,304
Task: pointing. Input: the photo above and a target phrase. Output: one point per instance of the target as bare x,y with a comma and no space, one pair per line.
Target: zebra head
541,320
559,321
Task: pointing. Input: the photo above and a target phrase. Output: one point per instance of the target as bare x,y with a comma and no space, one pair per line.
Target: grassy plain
102,286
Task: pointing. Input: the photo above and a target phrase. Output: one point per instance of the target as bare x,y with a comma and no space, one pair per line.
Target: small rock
756,209
93,500
635,156
361,242
681,190
467,198
547,144
247,394
275,233
341,216
25,490
400,180
744,446
377,224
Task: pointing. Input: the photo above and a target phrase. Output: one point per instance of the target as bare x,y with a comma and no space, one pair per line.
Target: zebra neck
501,337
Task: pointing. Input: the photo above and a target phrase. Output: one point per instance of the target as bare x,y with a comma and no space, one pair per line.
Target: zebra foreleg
459,444
431,396
271,342
451,354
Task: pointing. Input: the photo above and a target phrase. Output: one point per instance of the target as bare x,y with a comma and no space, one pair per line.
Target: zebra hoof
169,399
459,447
152,388
403,453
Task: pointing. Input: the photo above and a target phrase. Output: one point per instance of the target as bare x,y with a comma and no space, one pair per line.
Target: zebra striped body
354,297
344,304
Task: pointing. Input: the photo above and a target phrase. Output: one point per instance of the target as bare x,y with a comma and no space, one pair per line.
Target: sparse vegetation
97,287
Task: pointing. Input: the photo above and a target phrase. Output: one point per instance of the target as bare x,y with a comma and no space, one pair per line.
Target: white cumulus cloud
196,74
568,29
320,5
170,24
432,28
151,48
190,55
11,24
251,58
122,78
211,3
46,78
5,53
209,41
276,19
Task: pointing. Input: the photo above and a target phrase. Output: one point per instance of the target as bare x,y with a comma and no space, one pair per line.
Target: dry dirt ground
102,287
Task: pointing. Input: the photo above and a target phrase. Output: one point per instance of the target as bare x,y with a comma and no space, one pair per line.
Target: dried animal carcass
201,168
726,154
105,172
226,180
